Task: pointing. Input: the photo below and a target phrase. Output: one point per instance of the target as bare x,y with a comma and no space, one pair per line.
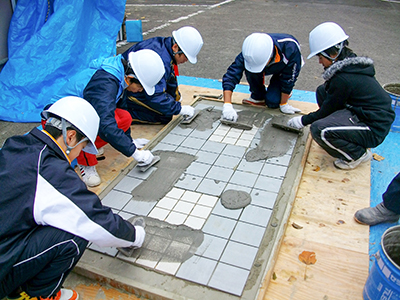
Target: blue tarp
48,42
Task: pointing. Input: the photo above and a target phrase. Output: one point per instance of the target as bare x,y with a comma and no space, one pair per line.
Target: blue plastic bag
48,42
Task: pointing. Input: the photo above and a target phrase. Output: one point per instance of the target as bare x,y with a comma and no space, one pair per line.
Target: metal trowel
144,168
281,123
189,120
237,124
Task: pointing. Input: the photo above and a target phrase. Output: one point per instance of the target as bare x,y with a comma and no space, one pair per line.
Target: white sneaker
348,165
90,175
100,151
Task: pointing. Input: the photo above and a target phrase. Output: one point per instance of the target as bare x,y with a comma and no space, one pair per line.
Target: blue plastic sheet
48,42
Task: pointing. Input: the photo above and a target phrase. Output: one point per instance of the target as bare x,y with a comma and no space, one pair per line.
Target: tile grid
231,237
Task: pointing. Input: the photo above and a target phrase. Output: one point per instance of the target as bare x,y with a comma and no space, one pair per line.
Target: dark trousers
45,263
342,135
391,198
271,95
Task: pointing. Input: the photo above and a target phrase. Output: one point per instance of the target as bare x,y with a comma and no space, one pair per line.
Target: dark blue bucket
383,281
393,89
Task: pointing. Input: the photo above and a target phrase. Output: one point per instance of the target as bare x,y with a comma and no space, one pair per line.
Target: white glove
229,113
140,234
143,157
296,122
187,111
288,109
140,143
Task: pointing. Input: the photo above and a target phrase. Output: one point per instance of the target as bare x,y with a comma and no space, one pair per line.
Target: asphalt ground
373,27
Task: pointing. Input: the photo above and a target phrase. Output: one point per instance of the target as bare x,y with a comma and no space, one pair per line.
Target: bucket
393,89
383,281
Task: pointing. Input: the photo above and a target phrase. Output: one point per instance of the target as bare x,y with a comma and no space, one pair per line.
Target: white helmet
257,50
81,114
190,41
148,67
324,36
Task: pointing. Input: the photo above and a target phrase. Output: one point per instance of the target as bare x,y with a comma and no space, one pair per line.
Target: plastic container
393,89
383,281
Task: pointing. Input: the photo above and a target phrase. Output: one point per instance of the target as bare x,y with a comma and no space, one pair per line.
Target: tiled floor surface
230,237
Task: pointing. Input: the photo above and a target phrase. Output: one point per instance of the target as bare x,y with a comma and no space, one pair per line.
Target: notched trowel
237,124
189,120
281,122
144,168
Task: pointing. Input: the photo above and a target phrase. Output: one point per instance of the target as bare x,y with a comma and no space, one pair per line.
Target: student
48,214
102,84
275,54
164,103
354,110
386,211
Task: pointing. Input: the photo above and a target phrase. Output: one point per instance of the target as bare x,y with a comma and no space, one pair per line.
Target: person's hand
187,111
295,122
140,143
288,109
140,234
229,113
143,157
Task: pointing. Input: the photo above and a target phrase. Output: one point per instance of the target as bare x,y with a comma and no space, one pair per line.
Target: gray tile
197,269
211,187
220,210
219,226
239,255
116,199
204,134
164,147
263,198
229,162
233,150
173,139
268,184
274,171
188,182
125,215
142,208
232,186
248,234
211,247
282,160
244,178
181,131
219,173
234,283
186,150
206,157
198,169
251,167
135,172
214,147
256,215
127,184
194,143
111,251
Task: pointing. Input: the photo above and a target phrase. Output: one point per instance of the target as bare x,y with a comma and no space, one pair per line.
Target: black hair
128,70
346,51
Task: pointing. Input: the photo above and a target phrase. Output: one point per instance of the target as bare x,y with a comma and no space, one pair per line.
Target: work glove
187,111
140,234
288,109
143,157
229,113
296,122
140,143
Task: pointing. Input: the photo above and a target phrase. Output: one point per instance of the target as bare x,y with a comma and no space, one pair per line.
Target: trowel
189,120
144,168
281,123
237,124
135,221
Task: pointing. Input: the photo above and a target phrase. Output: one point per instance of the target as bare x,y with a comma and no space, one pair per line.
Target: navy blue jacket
351,83
101,85
165,100
287,64
40,188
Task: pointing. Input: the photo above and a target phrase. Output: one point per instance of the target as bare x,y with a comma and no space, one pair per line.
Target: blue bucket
383,281
389,88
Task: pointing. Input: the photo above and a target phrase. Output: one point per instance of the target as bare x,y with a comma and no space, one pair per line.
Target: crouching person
47,214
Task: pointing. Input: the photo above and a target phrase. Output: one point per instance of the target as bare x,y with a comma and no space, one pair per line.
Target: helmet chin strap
64,125
339,47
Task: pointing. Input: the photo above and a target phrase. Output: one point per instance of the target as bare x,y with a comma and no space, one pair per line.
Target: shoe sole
247,102
359,222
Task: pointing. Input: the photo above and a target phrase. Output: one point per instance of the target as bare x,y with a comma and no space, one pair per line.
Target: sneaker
375,215
90,175
100,151
63,294
348,165
253,102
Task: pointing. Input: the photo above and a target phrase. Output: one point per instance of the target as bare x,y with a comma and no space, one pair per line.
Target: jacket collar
341,64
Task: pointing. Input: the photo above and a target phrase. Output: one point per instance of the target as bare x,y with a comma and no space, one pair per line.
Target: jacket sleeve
101,92
338,92
234,74
63,201
292,70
